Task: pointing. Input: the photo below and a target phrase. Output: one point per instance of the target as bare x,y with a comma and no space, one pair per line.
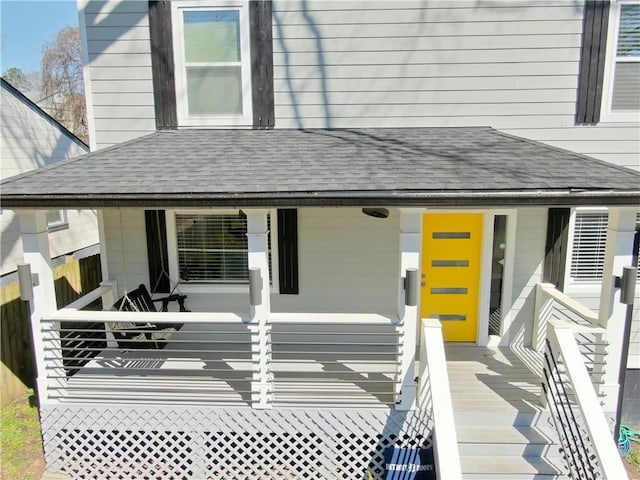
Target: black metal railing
591,344
576,450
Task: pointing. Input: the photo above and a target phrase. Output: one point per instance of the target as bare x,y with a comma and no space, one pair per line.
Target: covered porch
347,360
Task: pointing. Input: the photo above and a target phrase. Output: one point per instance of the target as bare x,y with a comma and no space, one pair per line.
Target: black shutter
162,66
592,60
288,250
262,63
157,252
555,250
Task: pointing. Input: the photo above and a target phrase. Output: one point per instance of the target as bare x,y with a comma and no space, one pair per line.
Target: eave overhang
469,199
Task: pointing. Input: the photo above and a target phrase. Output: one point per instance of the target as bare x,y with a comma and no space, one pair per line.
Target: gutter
325,199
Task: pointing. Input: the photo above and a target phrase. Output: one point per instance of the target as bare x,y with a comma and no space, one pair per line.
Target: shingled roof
408,166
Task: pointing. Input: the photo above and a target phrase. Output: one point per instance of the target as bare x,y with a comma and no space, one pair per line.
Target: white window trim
61,224
182,106
186,287
569,282
607,114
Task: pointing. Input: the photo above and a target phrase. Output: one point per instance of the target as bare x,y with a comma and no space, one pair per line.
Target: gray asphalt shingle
308,163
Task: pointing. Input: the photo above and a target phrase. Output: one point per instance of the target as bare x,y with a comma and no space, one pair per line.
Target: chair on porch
130,335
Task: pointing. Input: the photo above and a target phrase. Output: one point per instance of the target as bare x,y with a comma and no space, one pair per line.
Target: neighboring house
322,179
32,139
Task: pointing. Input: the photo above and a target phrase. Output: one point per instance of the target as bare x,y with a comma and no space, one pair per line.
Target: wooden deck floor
493,379
213,364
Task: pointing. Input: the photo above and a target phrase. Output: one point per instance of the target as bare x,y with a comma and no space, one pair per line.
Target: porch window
212,248
213,79
588,246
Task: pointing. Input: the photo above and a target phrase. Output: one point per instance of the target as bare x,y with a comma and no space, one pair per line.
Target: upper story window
623,76
213,65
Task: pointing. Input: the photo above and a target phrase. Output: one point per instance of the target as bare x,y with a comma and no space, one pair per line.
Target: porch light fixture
376,212
255,287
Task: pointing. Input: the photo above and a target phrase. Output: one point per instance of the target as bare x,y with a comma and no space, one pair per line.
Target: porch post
35,244
258,259
410,244
612,313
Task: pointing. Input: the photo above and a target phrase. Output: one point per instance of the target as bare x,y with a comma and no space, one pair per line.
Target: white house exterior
32,139
375,165
514,66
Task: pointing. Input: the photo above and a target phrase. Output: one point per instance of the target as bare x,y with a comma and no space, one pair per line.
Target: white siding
510,65
349,262
28,140
125,247
119,68
530,240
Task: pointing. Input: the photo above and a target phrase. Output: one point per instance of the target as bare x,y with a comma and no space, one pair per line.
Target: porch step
503,451
503,431
501,441
502,416
509,468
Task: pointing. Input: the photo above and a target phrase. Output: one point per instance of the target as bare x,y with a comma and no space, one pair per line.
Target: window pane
629,31
214,90
626,86
589,243
54,217
212,36
212,248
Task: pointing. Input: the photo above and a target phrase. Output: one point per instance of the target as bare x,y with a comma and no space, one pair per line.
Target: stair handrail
546,295
590,335
560,336
434,393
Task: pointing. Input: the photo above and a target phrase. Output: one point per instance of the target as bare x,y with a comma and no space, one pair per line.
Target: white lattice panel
225,444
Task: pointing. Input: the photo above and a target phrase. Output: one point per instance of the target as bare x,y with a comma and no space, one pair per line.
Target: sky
26,25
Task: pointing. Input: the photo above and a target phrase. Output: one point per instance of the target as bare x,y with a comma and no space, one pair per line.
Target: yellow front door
451,256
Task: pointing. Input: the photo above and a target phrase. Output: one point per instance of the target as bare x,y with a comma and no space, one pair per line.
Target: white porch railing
591,338
434,394
334,359
588,447
293,359
209,359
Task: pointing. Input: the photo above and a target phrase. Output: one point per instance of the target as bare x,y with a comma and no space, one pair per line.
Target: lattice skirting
197,443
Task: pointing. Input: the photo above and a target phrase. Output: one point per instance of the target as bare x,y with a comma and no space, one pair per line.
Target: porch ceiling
407,166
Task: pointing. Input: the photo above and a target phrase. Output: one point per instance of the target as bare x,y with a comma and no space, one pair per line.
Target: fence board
72,280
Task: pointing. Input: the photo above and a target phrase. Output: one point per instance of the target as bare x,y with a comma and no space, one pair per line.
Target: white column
410,245
35,244
612,314
257,234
